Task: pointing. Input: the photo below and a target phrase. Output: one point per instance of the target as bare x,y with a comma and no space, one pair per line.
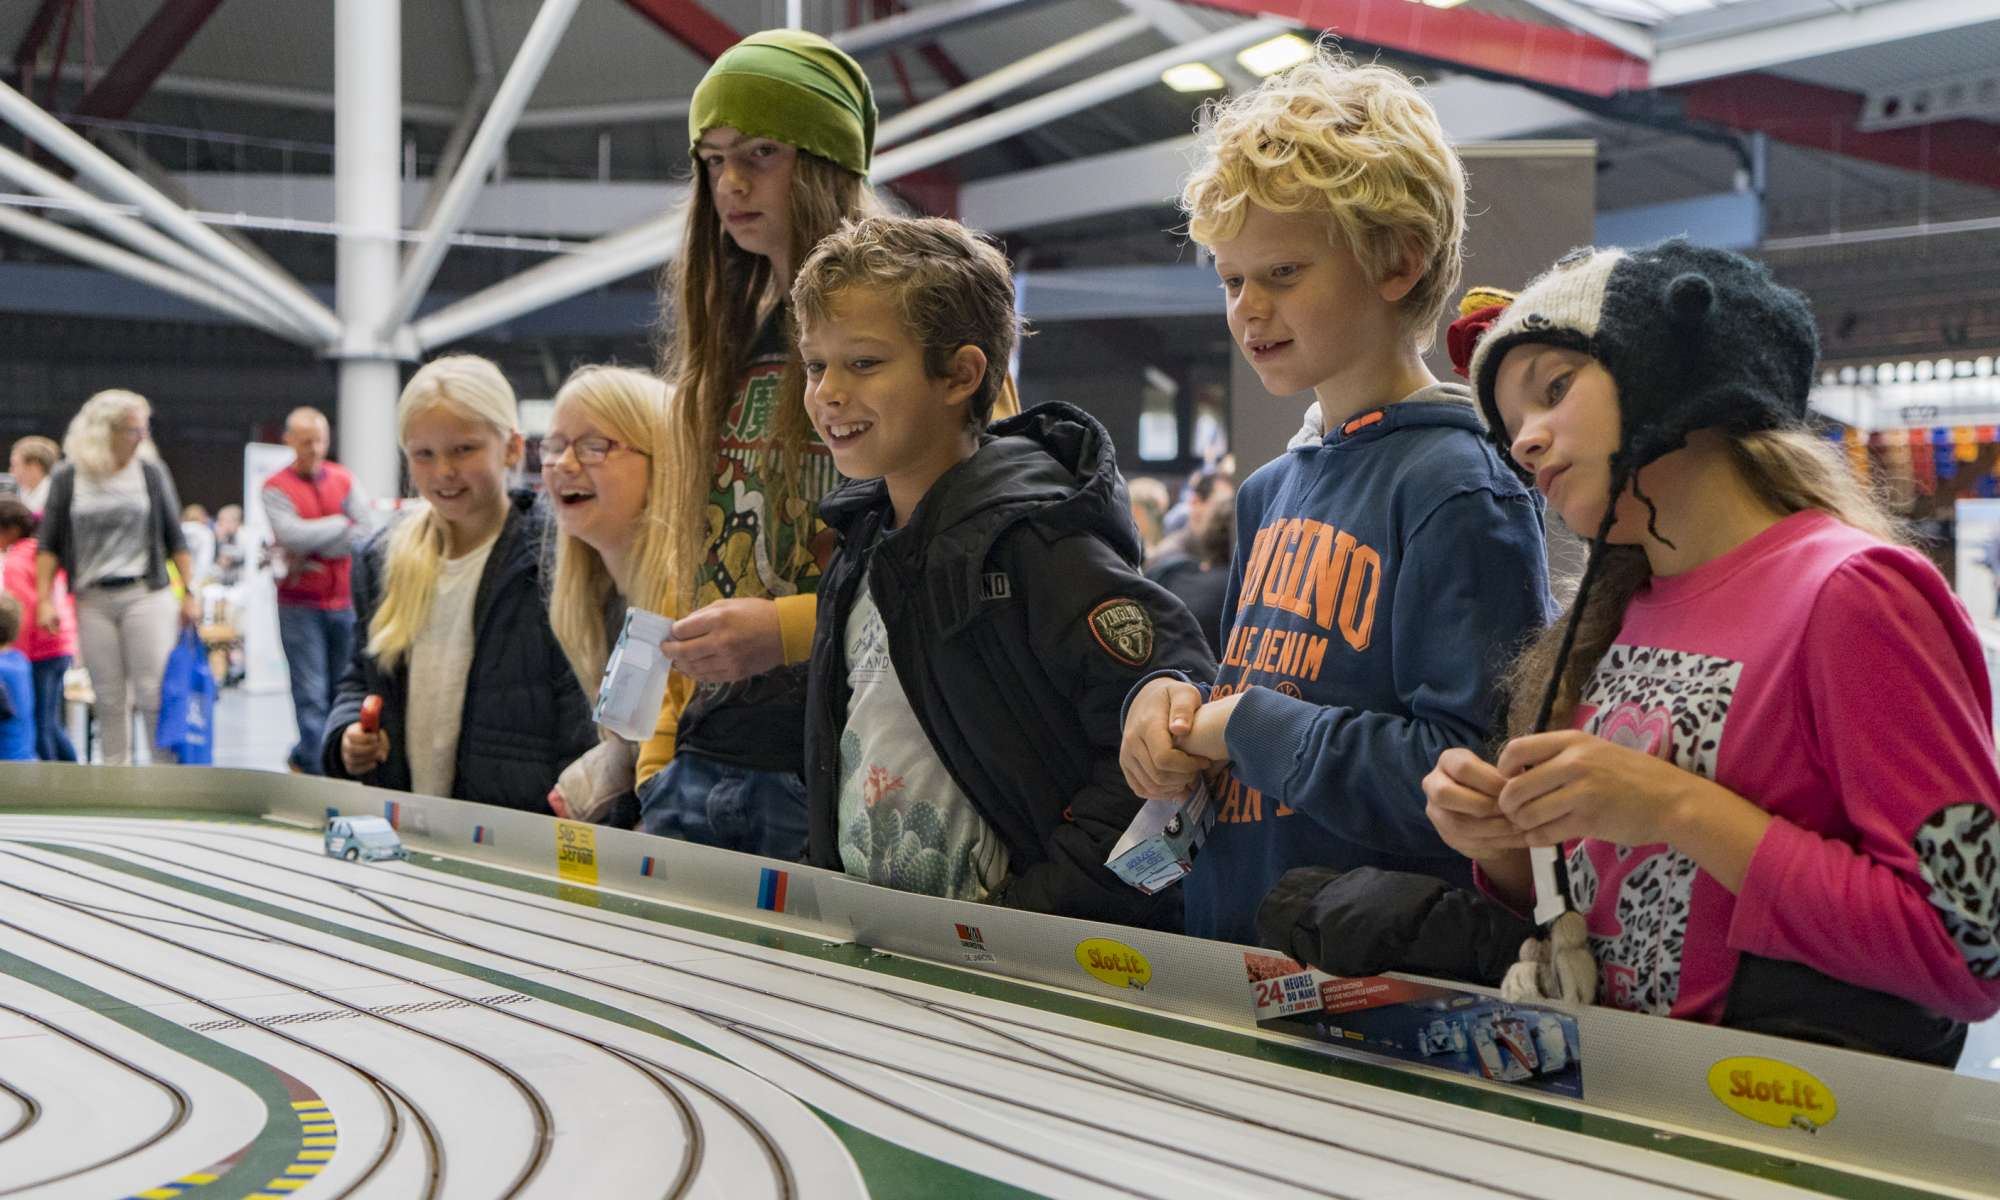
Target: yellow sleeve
659,749
796,617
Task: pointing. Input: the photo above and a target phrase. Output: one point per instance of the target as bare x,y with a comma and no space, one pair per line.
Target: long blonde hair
713,295
87,442
632,407
420,541
1791,470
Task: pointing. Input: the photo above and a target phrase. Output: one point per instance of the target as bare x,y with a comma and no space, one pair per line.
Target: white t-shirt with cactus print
903,821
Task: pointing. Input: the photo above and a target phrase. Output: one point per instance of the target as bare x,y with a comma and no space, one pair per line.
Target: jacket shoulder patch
1125,629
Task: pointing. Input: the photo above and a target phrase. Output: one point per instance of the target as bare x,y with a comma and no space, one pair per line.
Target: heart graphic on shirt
1647,731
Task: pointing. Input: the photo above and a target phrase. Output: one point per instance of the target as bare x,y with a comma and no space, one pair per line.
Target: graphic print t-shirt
1835,682
904,823
761,546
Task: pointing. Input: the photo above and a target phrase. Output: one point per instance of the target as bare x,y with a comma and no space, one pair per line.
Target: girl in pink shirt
1774,782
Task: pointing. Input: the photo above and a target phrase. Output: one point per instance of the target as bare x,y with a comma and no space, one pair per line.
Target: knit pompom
1484,297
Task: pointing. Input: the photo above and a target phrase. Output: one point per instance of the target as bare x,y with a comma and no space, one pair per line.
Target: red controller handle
371,714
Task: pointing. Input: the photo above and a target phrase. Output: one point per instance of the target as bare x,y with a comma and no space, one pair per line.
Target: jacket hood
1450,405
1052,466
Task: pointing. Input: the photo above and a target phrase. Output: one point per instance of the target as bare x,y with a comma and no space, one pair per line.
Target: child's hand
726,641
1208,738
1573,784
556,804
362,752
1163,713
1461,796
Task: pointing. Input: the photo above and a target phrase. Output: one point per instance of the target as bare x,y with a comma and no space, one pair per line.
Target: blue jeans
697,800
318,642
52,742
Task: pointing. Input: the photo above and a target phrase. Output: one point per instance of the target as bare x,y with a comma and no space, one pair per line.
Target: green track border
276,1145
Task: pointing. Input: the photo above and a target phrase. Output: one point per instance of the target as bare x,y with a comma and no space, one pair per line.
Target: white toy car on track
363,839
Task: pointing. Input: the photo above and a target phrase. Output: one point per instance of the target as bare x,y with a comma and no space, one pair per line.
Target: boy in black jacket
984,613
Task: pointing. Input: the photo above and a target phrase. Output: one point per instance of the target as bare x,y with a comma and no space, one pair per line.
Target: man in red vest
319,516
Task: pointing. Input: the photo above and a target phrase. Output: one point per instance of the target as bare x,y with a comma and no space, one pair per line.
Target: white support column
367,136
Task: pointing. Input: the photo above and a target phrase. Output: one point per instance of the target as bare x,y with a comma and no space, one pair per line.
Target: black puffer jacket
1018,620
525,718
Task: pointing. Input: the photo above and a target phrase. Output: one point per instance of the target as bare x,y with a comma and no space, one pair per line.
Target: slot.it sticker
576,853
1772,1093
1114,963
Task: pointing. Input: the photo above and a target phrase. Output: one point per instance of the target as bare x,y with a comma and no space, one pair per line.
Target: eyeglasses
590,451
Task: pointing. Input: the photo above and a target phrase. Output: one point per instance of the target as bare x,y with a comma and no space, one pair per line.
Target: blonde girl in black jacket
479,701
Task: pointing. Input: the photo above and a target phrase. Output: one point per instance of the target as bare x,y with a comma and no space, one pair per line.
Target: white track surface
446,1084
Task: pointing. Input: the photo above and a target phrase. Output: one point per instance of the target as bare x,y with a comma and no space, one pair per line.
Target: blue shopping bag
187,702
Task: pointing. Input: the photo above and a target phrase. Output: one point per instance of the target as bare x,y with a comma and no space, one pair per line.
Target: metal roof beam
151,51
89,250
1062,102
1179,26
32,38
690,24
121,184
607,260
1560,57
927,24
1768,33
523,74
1632,39
136,233
992,86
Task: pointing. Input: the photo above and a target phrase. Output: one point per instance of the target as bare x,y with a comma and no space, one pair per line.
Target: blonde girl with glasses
479,702
605,471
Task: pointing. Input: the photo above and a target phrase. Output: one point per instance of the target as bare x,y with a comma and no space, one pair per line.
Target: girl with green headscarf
781,131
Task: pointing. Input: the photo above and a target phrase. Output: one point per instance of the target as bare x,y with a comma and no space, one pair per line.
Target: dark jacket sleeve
1367,921
172,540
1473,585
1076,582
352,689
54,533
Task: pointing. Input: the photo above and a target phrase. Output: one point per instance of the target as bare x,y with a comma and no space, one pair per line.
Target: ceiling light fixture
1192,77
1269,58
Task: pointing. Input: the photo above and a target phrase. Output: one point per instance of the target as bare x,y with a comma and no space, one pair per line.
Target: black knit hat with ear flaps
1694,337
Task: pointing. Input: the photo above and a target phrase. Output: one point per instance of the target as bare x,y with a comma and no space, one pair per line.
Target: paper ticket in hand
635,677
1158,847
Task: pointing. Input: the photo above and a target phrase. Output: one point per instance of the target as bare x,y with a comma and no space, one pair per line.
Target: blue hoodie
1382,577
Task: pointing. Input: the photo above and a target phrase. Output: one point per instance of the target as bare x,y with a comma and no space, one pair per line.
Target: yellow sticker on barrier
1114,962
1772,1093
576,852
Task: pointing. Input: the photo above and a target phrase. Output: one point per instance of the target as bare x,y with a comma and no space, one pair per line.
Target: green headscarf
789,86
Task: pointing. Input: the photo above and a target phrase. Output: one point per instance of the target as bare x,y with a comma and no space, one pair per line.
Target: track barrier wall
1906,1123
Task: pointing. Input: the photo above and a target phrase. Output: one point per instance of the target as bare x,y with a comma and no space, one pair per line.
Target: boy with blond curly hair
1389,561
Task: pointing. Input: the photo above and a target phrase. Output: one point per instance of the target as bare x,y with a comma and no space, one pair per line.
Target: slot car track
474,1040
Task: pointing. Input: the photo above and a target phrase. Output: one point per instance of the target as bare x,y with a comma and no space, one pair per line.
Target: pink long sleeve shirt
1836,682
